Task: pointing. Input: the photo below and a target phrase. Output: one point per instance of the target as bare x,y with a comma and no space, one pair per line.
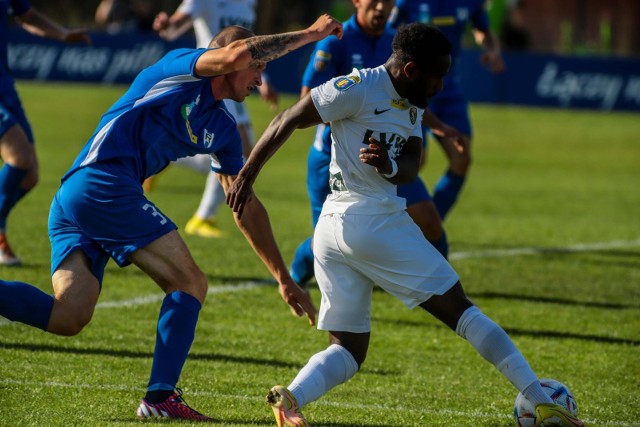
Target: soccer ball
525,413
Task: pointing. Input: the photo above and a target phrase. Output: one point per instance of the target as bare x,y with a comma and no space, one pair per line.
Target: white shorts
355,252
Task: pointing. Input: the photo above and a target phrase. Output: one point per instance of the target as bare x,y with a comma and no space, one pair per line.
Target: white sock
212,197
325,370
493,343
535,394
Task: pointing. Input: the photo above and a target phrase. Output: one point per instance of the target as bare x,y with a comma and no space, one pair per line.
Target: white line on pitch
423,410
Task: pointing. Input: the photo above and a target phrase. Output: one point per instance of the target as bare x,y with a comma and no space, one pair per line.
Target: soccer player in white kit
208,17
365,237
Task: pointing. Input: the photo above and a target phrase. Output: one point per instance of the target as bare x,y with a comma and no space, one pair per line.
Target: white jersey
211,16
360,105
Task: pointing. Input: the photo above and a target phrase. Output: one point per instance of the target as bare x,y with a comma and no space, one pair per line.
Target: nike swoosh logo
376,111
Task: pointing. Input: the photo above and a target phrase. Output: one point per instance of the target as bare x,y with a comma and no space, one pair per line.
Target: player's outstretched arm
301,115
41,25
256,51
256,228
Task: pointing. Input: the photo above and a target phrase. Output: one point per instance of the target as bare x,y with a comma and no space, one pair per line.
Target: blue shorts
101,210
317,180
11,112
414,192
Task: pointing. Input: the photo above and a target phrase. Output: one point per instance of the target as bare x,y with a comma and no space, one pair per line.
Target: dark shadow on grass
148,355
562,301
144,355
522,332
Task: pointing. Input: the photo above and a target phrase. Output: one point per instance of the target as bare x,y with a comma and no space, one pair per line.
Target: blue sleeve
20,7
179,62
229,157
480,18
323,64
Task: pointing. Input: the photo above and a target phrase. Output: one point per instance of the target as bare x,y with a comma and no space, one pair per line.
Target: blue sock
176,330
10,179
447,191
302,266
442,245
22,302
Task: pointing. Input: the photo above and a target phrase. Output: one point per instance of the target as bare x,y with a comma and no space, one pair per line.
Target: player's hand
160,22
324,26
298,300
376,155
239,194
460,141
77,36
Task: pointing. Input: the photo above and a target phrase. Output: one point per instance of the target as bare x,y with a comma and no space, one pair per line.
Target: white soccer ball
524,412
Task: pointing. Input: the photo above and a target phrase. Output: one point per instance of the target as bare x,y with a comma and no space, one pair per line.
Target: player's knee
461,163
196,284
73,322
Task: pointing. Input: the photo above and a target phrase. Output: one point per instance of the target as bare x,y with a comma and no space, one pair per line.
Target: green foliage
560,184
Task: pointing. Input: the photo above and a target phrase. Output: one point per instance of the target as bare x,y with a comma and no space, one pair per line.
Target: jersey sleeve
20,7
323,63
180,62
339,98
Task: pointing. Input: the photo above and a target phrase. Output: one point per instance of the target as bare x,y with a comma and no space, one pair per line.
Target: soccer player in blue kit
366,43
453,17
172,109
19,174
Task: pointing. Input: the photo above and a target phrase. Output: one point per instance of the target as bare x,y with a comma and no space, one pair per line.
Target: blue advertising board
603,83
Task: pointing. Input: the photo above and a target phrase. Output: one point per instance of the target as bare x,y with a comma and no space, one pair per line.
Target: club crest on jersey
413,115
208,138
346,82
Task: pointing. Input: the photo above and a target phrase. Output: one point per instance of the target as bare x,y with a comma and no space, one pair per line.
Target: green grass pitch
546,239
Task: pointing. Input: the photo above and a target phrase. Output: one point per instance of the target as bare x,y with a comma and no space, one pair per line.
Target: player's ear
410,70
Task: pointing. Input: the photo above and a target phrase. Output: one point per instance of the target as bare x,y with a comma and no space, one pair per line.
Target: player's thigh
169,263
427,218
346,293
392,252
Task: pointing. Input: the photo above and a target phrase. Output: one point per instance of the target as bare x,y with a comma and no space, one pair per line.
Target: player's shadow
148,355
523,332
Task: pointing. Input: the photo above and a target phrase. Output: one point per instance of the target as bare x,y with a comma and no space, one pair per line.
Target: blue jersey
7,8
450,16
167,113
332,57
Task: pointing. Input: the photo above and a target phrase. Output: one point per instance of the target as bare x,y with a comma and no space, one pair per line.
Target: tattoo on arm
267,48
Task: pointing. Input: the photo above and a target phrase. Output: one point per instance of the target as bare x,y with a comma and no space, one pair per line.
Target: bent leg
76,292
331,367
491,341
450,185
168,262
425,215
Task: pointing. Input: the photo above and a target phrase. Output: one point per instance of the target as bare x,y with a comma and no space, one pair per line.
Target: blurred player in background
364,236
19,174
366,43
171,110
453,17
208,17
